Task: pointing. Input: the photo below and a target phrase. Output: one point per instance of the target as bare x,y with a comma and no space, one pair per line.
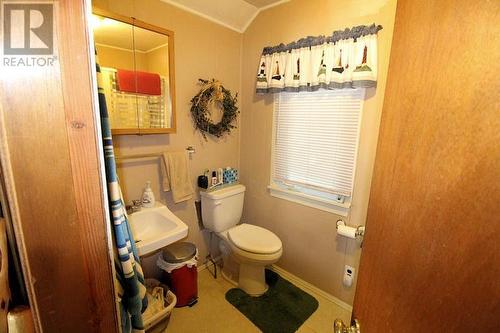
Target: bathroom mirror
137,66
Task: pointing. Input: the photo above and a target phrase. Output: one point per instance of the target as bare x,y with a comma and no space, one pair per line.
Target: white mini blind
316,138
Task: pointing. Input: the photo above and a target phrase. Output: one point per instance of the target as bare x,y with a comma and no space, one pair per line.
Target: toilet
251,247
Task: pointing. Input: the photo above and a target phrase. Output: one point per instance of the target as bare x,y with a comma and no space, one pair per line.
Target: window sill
310,201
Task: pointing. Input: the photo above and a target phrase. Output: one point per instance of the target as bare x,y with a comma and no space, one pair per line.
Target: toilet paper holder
360,230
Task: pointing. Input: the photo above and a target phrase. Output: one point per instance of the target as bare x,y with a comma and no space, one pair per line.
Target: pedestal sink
154,228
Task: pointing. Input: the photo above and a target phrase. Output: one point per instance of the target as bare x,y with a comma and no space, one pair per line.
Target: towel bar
190,150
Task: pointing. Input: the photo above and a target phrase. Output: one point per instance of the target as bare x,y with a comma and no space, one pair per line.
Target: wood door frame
85,226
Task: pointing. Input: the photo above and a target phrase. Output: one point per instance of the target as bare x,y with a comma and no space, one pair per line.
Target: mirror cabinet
137,66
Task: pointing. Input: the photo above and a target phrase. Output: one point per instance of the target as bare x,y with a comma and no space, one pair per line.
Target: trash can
178,262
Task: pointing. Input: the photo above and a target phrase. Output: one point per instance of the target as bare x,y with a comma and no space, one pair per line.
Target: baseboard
309,287
297,281
202,267
205,265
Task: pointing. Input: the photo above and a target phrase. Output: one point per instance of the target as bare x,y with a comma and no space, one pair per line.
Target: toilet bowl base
252,279
228,279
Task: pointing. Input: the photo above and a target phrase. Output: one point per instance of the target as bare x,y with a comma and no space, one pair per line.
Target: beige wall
158,60
155,61
202,50
205,50
121,58
312,251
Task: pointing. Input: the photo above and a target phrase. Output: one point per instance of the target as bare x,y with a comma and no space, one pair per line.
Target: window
315,142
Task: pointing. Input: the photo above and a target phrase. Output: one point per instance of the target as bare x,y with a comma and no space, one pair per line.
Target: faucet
134,207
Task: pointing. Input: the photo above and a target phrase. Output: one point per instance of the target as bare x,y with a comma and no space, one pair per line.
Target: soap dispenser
148,198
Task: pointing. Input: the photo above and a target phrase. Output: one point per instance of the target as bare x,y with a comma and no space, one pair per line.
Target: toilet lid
254,239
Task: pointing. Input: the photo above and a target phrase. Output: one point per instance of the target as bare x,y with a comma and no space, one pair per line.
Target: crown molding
224,24
205,16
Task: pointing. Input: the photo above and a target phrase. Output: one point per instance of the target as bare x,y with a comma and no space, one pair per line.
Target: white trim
201,267
309,287
155,48
338,208
297,281
261,9
130,50
117,48
274,4
204,266
109,69
212,19
360,122
205,16
250,20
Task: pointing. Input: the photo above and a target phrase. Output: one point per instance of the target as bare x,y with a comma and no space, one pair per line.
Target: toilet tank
222,209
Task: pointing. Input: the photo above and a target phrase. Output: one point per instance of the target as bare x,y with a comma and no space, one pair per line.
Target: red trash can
178,262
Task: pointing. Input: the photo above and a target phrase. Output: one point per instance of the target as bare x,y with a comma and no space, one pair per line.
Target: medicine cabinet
137,68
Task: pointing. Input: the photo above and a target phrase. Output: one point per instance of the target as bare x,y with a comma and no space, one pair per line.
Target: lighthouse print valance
345,59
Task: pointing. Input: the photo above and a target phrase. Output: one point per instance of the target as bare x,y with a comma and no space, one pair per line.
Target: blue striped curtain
129,277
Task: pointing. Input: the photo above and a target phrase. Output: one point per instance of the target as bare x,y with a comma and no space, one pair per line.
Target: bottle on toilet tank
220,178
214,178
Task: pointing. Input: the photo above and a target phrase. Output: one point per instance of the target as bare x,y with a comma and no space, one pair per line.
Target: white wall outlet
348,276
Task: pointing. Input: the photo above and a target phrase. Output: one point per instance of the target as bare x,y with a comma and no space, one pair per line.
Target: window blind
316,139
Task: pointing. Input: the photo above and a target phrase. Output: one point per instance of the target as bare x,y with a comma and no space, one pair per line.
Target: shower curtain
129,280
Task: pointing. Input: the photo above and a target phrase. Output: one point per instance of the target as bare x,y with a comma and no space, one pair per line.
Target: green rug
282,309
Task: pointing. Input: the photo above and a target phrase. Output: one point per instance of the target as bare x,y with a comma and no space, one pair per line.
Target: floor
213,313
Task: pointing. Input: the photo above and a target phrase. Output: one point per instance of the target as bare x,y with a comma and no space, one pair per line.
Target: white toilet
252,247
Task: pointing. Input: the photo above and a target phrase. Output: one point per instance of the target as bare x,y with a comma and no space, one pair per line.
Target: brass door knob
340,327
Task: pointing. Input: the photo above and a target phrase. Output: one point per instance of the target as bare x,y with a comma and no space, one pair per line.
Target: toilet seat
254,239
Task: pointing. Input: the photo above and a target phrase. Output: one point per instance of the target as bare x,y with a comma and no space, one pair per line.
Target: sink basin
154,228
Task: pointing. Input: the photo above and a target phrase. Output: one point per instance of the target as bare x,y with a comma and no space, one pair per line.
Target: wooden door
431,256
49,152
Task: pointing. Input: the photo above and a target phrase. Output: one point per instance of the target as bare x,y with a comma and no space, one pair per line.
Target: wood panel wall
431,256
50,156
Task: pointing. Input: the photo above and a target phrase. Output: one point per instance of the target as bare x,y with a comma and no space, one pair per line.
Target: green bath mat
282,309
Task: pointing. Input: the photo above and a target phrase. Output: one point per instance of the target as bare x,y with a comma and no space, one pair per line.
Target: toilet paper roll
346,231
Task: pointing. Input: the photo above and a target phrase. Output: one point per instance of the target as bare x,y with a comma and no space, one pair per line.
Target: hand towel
165,181
176,176
139,82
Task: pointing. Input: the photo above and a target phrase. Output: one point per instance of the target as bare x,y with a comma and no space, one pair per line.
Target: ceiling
233,14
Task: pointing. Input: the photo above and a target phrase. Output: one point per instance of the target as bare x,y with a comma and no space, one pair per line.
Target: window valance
345,59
